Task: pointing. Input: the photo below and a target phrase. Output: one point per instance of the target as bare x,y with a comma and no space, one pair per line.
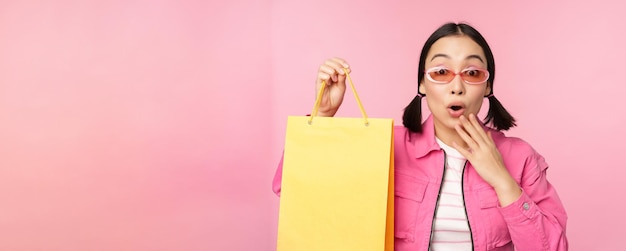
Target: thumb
341,77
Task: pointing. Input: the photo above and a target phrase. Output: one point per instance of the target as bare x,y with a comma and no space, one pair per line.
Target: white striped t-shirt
451,230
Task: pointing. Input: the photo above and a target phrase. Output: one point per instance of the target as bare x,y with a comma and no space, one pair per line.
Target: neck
449,135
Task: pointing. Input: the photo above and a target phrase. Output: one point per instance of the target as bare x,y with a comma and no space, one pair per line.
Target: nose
457,87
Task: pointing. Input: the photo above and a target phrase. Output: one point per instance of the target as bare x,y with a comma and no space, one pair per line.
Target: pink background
157,125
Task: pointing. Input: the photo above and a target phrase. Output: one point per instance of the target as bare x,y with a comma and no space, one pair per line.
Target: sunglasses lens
441,75
475,75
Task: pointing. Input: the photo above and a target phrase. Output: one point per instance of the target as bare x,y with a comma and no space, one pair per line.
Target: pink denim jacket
536,221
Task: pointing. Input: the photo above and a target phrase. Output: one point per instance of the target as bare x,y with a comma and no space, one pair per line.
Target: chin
446,120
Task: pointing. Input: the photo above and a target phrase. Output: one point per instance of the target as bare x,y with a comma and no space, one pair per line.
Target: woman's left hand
486,159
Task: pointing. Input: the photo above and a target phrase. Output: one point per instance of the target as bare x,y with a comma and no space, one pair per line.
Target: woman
460,184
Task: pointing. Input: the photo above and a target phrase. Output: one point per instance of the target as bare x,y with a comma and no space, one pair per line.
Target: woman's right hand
332,73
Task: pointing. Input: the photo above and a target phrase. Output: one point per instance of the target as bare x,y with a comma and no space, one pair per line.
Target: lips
456,109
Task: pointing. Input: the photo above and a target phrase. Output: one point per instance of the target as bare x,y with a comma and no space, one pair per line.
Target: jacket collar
425,142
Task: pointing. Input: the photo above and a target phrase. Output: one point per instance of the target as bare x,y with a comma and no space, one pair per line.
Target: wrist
508,192
326,114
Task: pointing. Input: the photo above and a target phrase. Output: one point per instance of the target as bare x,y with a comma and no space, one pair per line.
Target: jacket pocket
488,198
497,232
409,193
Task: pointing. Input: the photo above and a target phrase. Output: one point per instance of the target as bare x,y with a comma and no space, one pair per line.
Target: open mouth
456,107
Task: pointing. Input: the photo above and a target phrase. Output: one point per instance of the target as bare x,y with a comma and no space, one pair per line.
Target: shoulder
517,150
506,143
399,129
403,134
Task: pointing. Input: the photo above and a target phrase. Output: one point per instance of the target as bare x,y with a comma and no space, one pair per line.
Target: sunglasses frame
436,68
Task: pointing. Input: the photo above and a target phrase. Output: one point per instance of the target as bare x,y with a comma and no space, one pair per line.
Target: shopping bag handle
318,100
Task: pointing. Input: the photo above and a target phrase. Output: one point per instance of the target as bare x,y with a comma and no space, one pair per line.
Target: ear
421,89
488,89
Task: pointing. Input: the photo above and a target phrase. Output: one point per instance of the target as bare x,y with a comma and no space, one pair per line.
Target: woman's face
448,101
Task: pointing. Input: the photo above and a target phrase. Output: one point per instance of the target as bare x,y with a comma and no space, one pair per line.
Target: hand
486,159
332,72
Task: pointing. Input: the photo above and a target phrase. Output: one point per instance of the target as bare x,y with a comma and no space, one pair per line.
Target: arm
532,209
537,220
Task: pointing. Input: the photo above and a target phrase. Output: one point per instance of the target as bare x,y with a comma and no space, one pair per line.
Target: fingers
333,73
323,76
471,143
472,133
466,153
342,63
474,129
479,128
328,72
333,70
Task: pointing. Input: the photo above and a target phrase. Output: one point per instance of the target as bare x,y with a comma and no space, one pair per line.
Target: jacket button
526,206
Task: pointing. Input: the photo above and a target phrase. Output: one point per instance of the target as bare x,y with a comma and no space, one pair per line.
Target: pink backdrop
157,125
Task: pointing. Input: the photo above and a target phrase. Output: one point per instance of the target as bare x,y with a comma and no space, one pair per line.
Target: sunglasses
470,75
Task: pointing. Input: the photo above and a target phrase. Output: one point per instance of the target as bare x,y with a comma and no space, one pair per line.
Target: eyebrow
468,57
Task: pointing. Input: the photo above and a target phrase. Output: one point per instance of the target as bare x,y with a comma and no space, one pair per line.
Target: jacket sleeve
278,177
537,220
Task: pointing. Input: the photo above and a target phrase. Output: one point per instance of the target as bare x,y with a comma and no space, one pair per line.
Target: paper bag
337,184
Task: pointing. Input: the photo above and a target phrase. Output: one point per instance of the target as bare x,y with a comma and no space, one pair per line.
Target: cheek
435,92
477,96
477,103
434,99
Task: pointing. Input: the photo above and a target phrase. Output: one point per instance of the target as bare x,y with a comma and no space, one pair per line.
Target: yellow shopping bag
337,183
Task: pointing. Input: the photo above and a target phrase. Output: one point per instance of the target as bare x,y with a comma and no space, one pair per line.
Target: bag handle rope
318,100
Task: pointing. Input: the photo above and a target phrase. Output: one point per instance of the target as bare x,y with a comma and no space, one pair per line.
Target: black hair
497,115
